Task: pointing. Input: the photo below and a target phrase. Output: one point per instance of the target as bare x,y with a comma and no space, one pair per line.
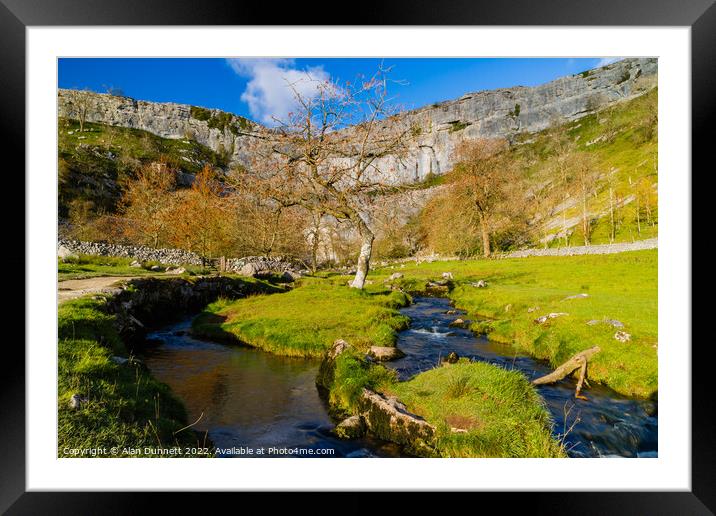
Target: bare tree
314,236
585,181
564,151
82,102
334,153
484,174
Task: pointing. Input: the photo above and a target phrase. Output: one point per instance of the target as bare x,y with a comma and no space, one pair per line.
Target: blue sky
255,88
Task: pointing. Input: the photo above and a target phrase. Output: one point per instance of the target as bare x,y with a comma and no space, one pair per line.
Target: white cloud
604,61
269,91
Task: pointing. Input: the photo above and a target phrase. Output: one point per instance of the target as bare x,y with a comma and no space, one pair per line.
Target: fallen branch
578,361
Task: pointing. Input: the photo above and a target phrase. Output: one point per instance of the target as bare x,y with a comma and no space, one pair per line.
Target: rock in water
385,353
452,358
458,323
350,428
387,418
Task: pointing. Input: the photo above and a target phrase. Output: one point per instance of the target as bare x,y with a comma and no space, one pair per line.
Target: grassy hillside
94,163
623,140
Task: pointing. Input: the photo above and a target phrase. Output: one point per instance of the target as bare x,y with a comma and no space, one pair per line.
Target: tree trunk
585,218
613,231
314,252
485,236
366,249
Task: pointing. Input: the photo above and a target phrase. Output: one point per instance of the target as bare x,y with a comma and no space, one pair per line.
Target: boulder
576,296
459,323
553,315
155,268
447,275
452,358
327,369
385,353
290,276
622,336
135,263
395,276
389,419
479,284
248,270
63,252
176,270
350,428
76,401
611,322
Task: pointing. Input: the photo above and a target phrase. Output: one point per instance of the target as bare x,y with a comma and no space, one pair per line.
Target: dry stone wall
139,253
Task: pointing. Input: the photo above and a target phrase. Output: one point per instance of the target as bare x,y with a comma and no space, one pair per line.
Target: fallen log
578,361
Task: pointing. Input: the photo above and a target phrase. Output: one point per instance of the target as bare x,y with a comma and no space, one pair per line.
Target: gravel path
72,289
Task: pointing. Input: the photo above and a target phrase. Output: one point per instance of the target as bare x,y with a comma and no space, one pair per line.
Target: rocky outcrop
387,418
437,129
67,248
350,428
378,414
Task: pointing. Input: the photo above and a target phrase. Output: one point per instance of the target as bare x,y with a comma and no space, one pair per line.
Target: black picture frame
17,15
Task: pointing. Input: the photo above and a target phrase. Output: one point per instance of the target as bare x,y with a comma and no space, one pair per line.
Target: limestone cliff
437,128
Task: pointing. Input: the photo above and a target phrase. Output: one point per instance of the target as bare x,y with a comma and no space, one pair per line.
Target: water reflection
249,399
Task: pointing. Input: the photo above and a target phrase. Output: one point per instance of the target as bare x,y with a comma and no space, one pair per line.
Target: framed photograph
435,254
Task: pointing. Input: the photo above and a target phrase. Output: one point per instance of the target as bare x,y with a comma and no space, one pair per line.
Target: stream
609,424
255,404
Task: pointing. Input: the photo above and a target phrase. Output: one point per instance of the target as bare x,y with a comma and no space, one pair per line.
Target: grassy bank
619,287
480,410
306,320
125,406
477,409
84,266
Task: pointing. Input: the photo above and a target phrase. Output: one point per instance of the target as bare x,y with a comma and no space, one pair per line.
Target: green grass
353,374
308,319
126,407
620,286
502,413
84,266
